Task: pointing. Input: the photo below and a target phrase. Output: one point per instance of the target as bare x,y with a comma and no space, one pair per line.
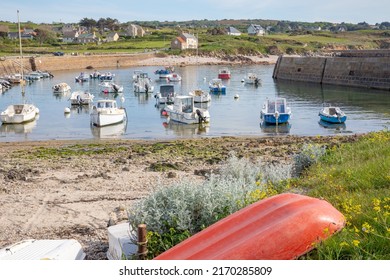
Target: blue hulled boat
332,114
275,111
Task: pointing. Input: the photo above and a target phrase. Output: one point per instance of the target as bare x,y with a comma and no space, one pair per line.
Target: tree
44,35
88,23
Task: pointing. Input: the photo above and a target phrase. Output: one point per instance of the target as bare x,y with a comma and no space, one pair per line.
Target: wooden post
142,242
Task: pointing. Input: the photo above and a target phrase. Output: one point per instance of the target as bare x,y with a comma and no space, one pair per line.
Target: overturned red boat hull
281,227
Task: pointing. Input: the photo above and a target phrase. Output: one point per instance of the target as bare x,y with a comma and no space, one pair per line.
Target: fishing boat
110,87
45,249
275,111
183,111
165,73
224,73
82,78
166,94
81,98
252,79
200,96
22,112
332,114
143,84
61,88
281,227
94,75
107,76
174,78
216,86
106,112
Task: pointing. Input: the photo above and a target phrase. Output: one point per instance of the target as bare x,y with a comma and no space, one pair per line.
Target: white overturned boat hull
31,249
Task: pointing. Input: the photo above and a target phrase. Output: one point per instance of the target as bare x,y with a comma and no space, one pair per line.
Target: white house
184,41
233,31
70,36
135,30
112,37
256,30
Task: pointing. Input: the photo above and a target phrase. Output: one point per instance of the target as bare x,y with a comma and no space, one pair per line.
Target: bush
174,213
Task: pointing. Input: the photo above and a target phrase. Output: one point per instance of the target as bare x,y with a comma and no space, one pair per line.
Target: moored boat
184,111
110,87
106,112
200,96
165,73
224,73
81,98
166,94
216,86
142,83
61,88
19,113
332,114
275,111
252,79
174,78
82,78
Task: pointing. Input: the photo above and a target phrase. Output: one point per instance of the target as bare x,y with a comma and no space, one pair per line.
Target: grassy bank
354,176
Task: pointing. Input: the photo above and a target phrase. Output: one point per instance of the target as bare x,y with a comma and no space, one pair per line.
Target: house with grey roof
256,30
184,41
232,31
134,30
87,38
70,36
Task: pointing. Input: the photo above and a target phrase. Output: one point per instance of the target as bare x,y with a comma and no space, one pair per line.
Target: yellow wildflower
356,243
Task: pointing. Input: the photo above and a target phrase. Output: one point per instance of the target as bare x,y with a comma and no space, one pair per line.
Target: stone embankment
369,69
11,65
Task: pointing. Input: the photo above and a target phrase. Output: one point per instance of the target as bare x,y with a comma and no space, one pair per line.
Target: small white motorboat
165,95
184,111
106,112
19,113
200,96
82,78
252,79
32,249
81,98
174,78
61,88
110,87
143,84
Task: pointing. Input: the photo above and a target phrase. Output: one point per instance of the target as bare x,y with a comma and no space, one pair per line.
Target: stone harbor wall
362,69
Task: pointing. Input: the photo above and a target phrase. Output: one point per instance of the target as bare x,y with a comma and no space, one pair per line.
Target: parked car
58,53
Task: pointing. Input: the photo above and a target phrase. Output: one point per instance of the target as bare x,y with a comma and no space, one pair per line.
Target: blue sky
71,11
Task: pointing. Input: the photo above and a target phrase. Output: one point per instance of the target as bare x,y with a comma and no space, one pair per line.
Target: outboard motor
201,118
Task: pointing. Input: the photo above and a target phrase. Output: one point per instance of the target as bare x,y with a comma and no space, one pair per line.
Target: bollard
142,242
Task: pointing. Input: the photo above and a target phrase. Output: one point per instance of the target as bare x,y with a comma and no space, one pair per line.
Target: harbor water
367,109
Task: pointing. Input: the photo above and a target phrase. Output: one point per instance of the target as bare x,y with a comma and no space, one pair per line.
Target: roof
189,36
180,39
231,29
257,27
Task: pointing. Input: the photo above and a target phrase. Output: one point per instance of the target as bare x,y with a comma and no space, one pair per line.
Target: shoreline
75,189
104,61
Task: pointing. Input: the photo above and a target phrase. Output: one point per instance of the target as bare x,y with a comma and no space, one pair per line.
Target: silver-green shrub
309,154
192,206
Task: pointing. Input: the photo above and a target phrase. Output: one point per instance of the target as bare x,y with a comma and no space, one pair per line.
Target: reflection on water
23,128
367,110
110,131
336,127
283,128
186,130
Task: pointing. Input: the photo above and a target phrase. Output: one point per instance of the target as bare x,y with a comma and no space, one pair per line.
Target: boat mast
21,57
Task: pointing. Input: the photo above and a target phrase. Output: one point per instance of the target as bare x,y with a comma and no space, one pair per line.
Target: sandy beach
76,189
